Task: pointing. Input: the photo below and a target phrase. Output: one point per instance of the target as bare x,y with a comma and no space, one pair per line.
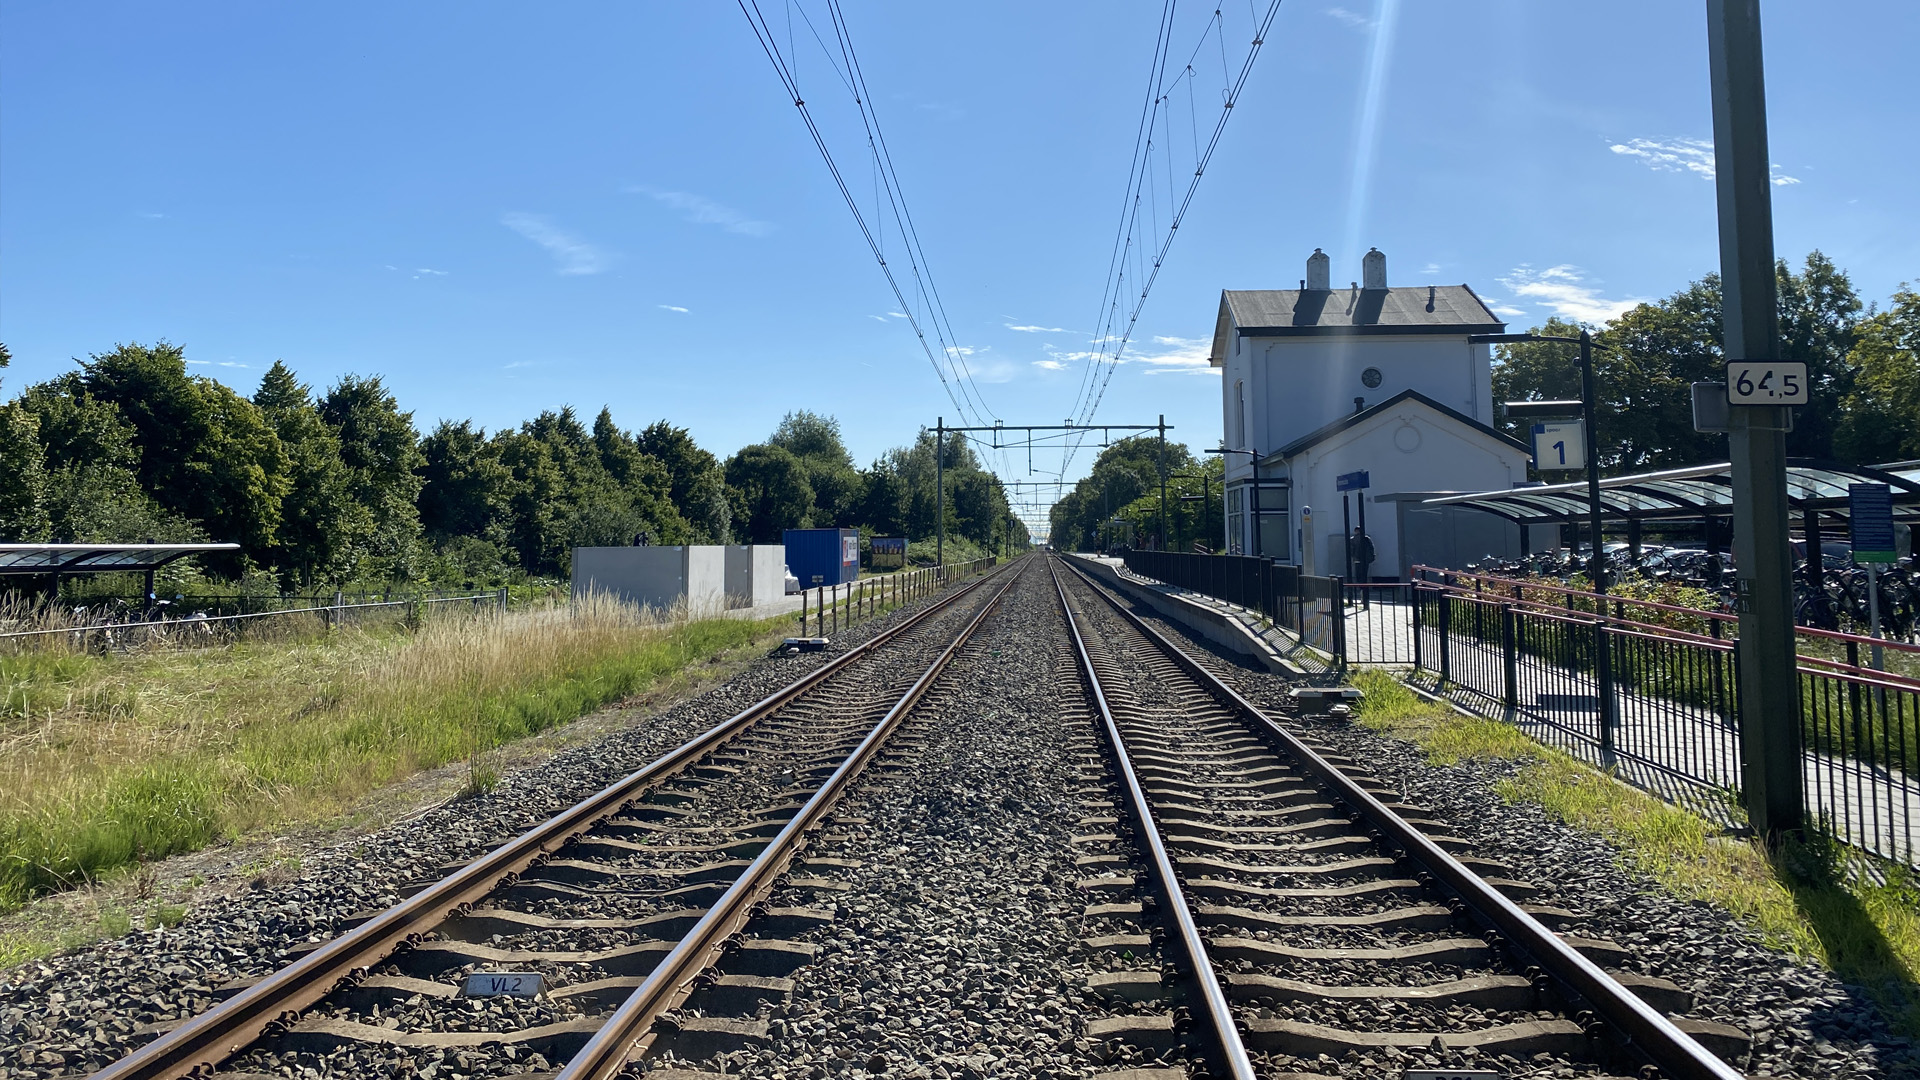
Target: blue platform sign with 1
1559,445
1766,382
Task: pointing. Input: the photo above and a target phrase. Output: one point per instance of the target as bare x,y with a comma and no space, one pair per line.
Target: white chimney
1373,270
1317,276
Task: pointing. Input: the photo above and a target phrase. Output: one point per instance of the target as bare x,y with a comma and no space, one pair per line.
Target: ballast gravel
1804,1020
958,952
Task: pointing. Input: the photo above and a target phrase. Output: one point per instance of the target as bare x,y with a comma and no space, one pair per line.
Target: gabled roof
1315,437
1424,309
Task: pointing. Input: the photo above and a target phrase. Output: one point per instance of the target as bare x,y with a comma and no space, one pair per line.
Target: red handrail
1719,616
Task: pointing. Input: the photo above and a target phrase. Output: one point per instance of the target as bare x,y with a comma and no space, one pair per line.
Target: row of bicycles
1839,597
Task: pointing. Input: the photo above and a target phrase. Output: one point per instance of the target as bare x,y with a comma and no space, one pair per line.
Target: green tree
23,472
696,484
380,448
323,528
774,492
812,438
837,485
1819,320
708,510
685,462
1646,360
1880,420
204,452
1125,471
465,487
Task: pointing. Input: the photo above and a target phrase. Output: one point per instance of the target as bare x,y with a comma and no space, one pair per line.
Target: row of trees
1863,367
1118,501
337,487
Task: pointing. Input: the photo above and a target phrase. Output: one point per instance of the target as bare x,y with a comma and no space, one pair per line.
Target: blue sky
503,208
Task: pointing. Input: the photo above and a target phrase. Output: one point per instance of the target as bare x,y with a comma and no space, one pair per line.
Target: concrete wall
706,576
755,574
655,577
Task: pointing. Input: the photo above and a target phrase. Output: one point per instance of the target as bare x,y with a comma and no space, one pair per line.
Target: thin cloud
1430,268
1050,365
672,307
1670,155
153,217
898,314
428,272
1683,155
704,211
1039,329
1564,291
574,255
1350,18
1178,356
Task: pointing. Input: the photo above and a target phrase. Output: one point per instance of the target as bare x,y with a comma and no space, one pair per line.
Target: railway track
1298,911
575,941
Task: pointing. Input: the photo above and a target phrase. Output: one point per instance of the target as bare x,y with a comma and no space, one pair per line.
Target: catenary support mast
1769,690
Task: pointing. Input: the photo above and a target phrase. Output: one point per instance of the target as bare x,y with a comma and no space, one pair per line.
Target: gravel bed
72,1014
1804,1020
959,952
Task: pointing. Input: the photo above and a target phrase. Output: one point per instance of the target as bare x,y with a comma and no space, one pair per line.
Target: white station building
1319,382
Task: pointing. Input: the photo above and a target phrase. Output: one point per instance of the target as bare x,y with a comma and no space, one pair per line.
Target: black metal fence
106,633
1651,692
1647,691
1303,604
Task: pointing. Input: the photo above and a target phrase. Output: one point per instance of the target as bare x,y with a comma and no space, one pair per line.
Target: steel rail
1638,1025
1230,1051
276,1002
628,1033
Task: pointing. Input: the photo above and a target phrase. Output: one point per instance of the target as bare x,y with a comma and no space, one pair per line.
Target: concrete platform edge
1214,625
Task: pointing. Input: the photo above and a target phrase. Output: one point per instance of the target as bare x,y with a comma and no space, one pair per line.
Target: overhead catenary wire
957,377
1113,333
963,397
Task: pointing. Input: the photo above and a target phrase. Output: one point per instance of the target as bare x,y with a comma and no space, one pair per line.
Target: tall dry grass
127,756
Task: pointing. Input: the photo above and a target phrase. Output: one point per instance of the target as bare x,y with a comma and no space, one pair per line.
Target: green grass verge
1811,899
120,759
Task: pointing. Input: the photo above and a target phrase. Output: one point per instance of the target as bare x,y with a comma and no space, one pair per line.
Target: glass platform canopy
1694,492
64,559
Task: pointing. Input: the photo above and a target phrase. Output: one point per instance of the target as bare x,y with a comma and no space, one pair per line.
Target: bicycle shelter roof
1694,492
19,559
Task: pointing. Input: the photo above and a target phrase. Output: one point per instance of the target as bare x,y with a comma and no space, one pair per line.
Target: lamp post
1206,492
1597,561
1597,564
1254,509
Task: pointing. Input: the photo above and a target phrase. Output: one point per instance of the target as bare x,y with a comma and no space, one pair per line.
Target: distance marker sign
1766,382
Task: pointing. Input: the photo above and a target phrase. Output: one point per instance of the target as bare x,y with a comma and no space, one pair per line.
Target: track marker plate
1453,1074
523,984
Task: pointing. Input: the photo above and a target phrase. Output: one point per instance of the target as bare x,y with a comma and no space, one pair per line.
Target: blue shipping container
823,556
